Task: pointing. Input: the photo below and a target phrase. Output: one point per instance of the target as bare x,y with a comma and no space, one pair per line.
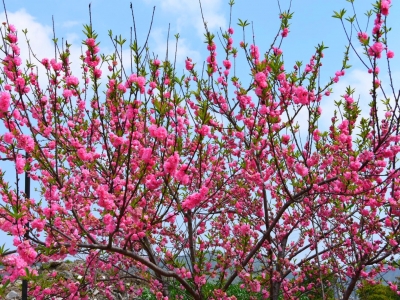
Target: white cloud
188,14
183,49
361,82
40,38
69,24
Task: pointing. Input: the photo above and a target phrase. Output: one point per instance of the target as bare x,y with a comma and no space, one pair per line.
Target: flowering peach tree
159,179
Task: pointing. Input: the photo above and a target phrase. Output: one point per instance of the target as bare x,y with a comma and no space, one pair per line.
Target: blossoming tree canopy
187,184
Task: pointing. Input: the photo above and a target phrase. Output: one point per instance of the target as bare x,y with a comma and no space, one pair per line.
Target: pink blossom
45,62
122,88
91,42
189,64
97,73
8,137
67,93
181,175
204,130
301,170
363,37
38,224
171,164
277,51
230,31
12,38
376,50
26,142
105,198
158,132
191,201
281,76
285,139
316,135
26,252
152,183
5,99
83,155
12,28
254,51
227,64
109,222
348,99
261,78
72,80
285,32
146,155
385,4
390,54
156,62
55,65
20,164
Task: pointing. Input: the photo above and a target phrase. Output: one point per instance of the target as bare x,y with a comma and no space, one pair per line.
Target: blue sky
311,24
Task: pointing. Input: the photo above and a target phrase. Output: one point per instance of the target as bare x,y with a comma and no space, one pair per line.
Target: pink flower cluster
92,59
385,5
254,53
5,100
337,75
158,132
188,64
285,32
105,198
212,59
171,164
301,169
363,37
376,49
195,199
139,80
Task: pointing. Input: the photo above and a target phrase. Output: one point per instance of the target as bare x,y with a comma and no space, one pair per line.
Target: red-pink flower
146,155
189,64
390,54
376,50
363,37
285,139
227,64
301,169
284,32
385,5
91,42
26,142
38,224
122,88
67,93
55,65
72,80
5,99
20,164
97,73
158,132
261,79
171,164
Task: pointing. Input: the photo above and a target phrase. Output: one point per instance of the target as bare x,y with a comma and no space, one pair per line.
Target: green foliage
233,290
376,292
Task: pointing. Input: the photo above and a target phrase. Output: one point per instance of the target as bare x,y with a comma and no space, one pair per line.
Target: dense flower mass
182,186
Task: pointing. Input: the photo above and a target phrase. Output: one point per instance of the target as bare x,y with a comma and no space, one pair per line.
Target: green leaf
243,24
339,15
